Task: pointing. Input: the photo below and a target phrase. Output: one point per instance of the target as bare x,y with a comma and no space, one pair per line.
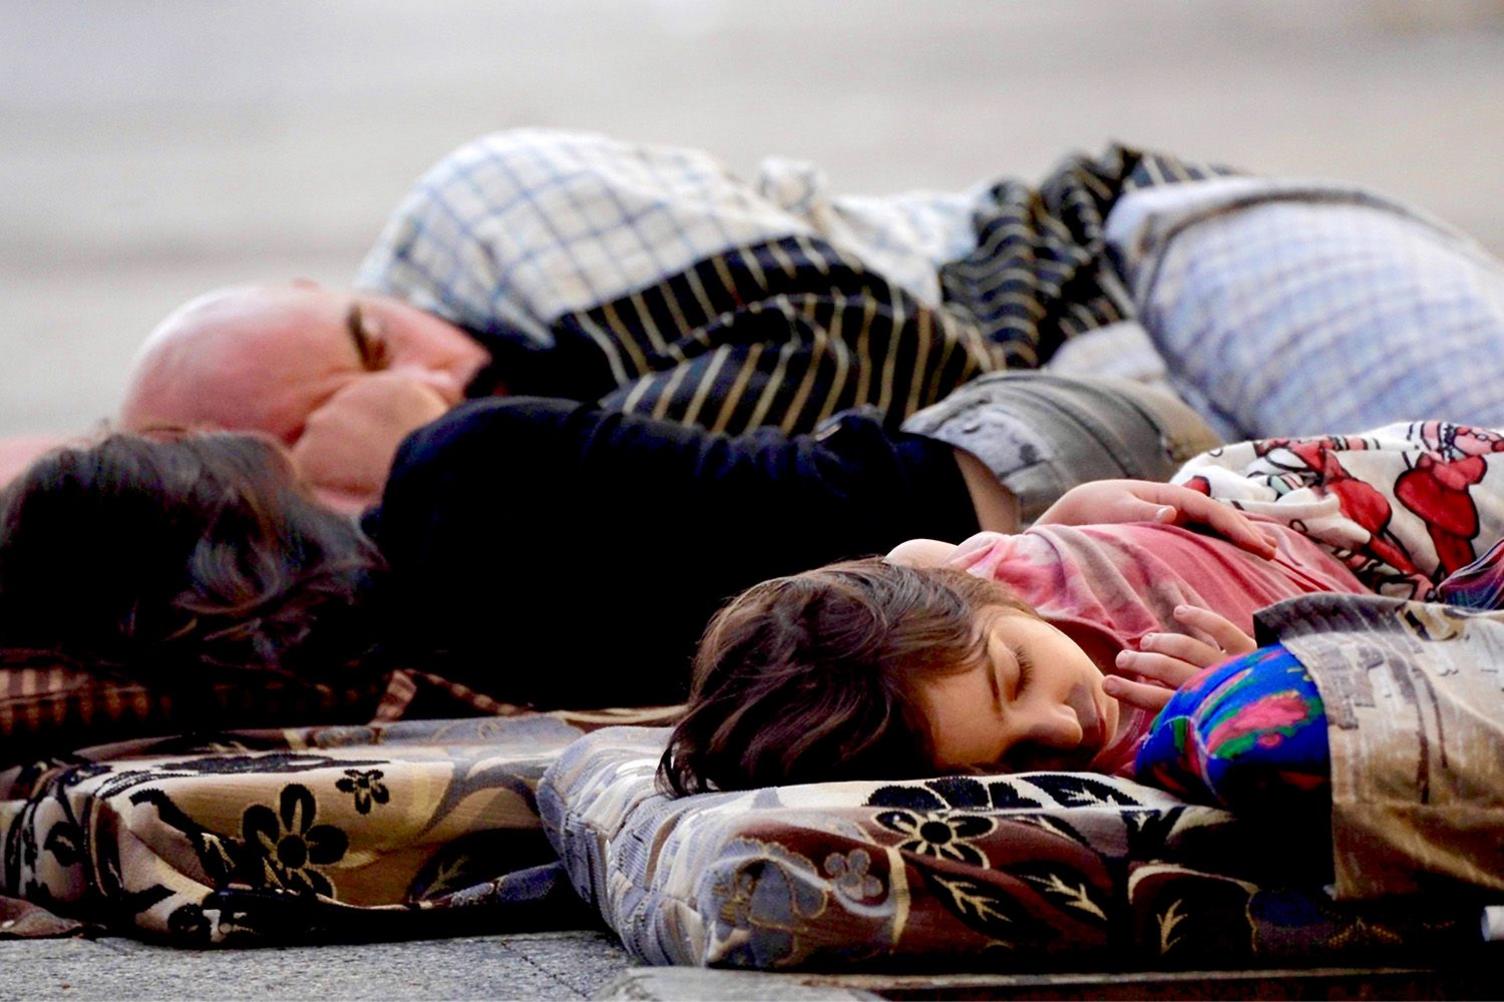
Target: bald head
243,357
267,356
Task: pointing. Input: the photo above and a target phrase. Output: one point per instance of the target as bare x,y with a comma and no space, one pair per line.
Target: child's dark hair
181,560
813,677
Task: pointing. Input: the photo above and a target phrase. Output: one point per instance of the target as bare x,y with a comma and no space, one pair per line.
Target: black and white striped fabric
784,333
1038,273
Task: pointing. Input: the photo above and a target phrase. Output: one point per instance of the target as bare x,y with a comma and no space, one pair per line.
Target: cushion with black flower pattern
1031,870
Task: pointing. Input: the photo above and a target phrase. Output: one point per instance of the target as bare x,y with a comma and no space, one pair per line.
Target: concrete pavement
551,965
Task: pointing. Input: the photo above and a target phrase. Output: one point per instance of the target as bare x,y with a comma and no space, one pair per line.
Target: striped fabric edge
784,334
64,703
406,685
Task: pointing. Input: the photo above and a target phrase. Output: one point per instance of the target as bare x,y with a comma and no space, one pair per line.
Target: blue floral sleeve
1248,735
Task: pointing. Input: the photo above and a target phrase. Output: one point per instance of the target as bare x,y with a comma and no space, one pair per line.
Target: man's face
269,357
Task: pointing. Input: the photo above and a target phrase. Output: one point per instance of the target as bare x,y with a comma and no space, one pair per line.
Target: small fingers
1171,671
1227,521
1187,648
1149,697
1236,528
1137,509
1223,632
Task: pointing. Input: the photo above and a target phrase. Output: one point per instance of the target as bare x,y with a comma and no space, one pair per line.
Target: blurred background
153,149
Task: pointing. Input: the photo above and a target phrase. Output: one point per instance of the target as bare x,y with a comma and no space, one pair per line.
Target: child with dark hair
183,561
819,675
1056,647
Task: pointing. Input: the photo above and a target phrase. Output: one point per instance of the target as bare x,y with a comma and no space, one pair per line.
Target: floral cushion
412,828
1032,870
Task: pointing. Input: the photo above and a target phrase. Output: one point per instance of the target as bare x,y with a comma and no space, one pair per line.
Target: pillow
1034,870
1296,308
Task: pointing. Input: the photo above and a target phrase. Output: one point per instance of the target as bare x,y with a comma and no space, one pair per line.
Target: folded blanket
1415,720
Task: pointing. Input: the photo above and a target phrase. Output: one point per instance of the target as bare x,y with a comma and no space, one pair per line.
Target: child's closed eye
1025,670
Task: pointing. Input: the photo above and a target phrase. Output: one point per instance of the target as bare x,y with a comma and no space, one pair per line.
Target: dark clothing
551,552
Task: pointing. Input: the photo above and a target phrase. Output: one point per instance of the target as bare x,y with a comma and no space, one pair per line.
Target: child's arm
1168,661
1248,735
1103,502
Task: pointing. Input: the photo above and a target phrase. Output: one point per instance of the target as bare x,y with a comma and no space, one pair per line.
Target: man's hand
1168,660
347,446
1104,502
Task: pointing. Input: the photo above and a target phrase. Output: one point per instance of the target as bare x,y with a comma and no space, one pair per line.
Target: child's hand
1103,502
1169,660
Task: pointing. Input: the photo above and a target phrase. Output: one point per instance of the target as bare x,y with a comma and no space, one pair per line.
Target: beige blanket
1416,724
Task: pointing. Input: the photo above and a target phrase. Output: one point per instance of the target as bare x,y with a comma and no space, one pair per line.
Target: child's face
1037,702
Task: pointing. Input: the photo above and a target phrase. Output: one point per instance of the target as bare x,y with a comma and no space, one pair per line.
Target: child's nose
1059,728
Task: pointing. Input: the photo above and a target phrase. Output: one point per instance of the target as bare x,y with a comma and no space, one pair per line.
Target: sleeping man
652,281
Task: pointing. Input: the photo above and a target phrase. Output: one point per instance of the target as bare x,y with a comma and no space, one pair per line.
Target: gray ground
149,151
552,965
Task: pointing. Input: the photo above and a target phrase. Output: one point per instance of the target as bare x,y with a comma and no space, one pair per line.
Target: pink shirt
1123,581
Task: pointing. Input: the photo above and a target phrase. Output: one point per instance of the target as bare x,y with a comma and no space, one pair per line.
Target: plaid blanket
655,280
1293,308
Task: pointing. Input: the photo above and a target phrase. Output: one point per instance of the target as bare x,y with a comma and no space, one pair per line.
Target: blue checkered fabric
516,228
1297,308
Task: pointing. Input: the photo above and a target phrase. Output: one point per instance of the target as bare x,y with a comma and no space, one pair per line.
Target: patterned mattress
298,835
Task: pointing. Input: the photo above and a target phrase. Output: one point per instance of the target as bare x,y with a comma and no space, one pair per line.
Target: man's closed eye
370,341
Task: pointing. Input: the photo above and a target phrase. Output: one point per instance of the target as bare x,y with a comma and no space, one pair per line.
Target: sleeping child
1056,647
